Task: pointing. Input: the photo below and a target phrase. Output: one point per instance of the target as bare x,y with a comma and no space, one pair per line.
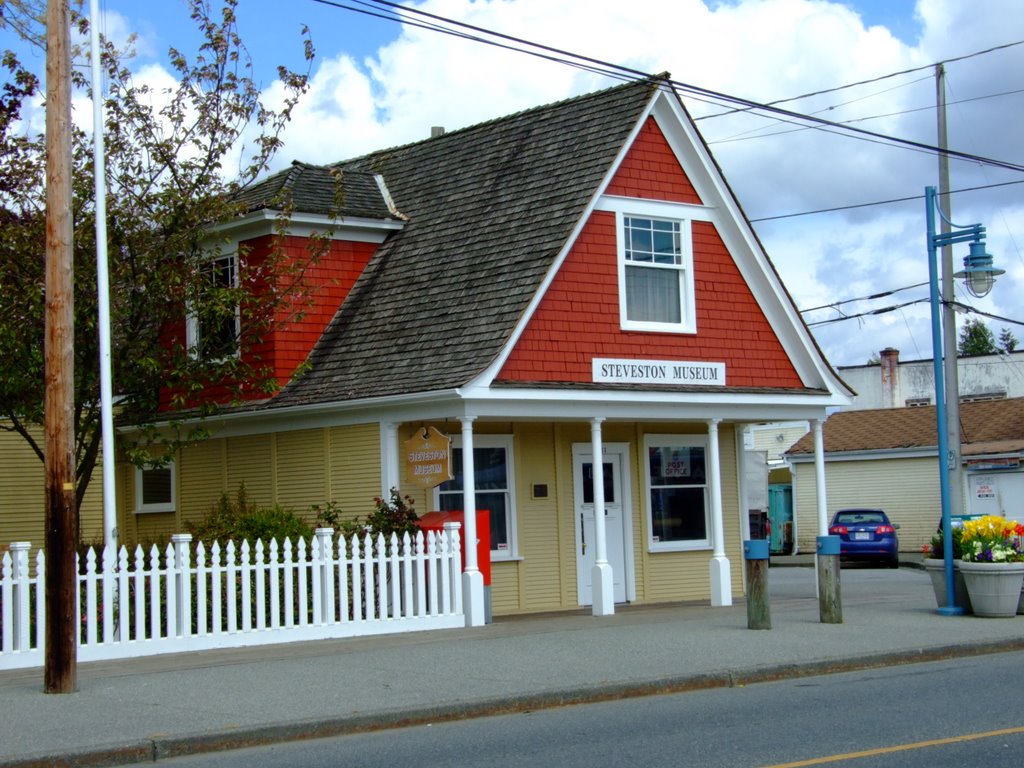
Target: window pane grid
653,241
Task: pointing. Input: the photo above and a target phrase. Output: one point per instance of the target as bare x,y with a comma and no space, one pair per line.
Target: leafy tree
177,162
1007,341
976,339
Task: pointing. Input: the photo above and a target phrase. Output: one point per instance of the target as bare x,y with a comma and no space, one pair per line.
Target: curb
164,748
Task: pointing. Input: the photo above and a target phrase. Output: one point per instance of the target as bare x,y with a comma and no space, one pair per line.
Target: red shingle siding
299,323
299,326
651,170
578,319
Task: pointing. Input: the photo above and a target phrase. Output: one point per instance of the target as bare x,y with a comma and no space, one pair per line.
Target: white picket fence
237,596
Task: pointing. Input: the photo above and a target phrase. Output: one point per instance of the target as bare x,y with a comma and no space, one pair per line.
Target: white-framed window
495,489
655,273
156,489
213,332
678,511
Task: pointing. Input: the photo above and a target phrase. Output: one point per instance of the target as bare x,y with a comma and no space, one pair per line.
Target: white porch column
721,575
819,478
602,583
472,578
389,460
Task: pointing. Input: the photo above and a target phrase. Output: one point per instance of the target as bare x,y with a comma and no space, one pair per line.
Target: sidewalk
155,708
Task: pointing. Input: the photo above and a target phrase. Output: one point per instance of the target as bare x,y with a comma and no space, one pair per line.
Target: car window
854,518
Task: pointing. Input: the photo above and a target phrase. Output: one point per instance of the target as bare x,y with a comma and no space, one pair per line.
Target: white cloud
762,50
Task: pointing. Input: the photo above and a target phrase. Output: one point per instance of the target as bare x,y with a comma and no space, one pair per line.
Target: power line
627,73
875,79
972,310
745,137
868,313
890,201
836,304
966,308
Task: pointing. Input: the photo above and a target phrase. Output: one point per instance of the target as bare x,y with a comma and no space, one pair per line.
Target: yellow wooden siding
22,495
671,576
505,593
907,489
541,539
301,470
250,460
201,479
354,473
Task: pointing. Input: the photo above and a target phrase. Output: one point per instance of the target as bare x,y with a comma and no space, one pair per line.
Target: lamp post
979,275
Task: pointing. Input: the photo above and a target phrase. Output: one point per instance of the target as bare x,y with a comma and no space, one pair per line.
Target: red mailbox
434,521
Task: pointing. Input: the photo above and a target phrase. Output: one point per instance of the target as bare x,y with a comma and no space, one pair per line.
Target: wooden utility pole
61,663
950,368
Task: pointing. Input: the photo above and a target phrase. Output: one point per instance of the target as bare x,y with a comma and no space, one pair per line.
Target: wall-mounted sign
428,458
676,372
984,487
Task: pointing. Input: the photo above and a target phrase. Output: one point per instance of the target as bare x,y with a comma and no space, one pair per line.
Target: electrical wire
626,73
836,304
930,108
876,79
890,201
867,313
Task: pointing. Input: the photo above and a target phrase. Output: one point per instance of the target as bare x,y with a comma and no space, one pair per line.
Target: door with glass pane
616,519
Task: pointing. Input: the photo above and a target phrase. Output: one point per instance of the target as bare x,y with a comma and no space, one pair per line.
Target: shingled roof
489,208
991,426
320,190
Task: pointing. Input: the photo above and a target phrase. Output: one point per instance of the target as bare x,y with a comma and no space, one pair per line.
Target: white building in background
896,383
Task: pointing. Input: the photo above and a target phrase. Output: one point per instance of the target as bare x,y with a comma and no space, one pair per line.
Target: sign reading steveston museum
428,458
658,372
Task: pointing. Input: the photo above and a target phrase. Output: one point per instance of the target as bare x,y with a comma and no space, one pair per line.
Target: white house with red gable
568,287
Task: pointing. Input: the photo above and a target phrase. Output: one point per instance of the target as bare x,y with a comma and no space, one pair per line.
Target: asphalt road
960,712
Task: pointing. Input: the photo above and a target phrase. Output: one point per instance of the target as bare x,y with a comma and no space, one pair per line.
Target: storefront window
677,492
494,488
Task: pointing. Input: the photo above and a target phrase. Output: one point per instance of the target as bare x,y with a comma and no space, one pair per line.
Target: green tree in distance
1007,341
177,161
975,339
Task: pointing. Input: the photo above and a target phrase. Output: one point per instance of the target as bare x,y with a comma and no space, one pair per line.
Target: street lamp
979,275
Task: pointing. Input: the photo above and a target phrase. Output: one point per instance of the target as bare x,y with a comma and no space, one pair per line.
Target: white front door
617,519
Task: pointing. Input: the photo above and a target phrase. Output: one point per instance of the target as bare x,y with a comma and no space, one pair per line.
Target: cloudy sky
377,82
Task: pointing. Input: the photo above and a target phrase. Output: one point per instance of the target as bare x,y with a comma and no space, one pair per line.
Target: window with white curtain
655,273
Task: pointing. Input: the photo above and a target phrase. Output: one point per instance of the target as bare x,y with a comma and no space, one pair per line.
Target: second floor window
655,274
213,322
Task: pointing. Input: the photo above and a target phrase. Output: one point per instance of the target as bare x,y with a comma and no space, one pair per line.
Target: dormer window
655,261
213,326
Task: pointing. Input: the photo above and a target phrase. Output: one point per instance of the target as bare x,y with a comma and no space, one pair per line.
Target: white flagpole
103,287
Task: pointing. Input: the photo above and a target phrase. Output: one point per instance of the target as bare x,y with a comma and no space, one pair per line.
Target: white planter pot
936,569
994,587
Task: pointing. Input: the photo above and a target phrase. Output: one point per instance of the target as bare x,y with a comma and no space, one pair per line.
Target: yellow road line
899,748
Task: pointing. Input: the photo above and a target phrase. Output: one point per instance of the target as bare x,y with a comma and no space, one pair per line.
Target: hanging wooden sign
428,457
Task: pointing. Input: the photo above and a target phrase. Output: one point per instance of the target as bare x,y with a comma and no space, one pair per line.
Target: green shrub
241,519
397,515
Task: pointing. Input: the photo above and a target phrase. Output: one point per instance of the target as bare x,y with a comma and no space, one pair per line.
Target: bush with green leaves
242,519
396,515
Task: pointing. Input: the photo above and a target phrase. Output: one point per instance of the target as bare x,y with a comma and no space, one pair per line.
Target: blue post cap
828,545
755,549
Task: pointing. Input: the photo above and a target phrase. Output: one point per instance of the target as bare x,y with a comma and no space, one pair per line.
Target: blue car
866,535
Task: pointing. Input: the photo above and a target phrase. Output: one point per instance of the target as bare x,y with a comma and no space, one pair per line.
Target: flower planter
994,588
936,569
